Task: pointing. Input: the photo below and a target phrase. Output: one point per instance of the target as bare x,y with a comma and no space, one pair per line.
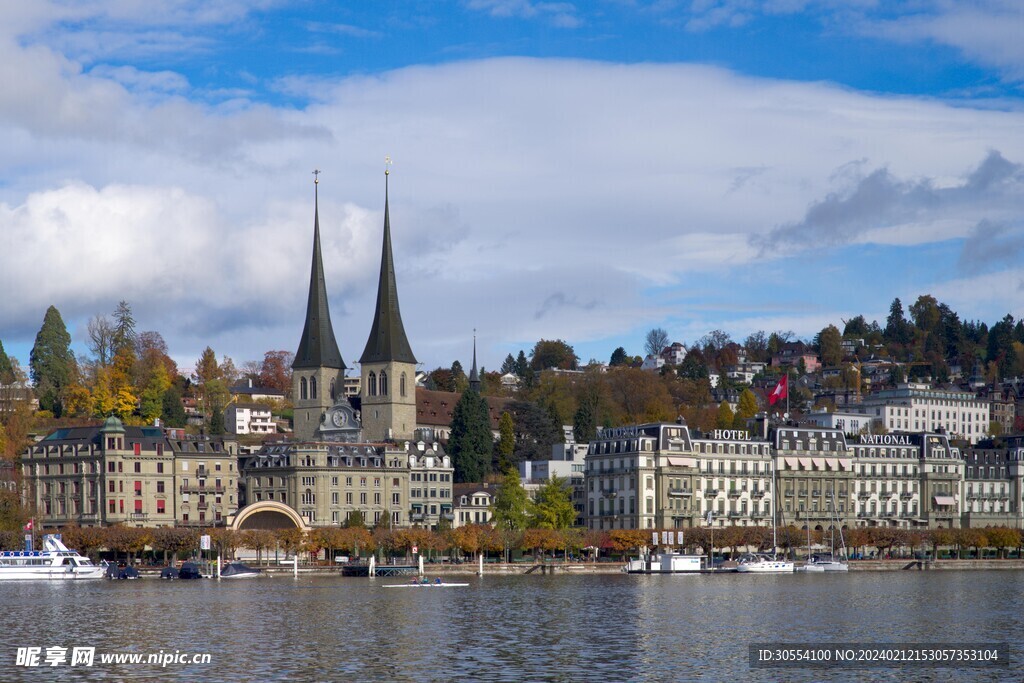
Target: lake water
506,628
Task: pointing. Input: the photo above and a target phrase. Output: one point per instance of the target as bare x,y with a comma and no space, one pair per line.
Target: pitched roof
436,408
387,341
318,348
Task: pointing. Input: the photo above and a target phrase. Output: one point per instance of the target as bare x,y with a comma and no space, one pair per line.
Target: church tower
388,368
318,372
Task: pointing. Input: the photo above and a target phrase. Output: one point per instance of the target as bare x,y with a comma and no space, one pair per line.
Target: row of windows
307,389
378,385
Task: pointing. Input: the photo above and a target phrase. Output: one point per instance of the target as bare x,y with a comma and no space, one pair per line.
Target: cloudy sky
583,171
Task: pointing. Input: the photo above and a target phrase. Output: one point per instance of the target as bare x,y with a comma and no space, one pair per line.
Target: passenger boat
237,570
55,561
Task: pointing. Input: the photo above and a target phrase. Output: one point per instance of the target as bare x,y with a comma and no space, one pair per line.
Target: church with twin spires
387,366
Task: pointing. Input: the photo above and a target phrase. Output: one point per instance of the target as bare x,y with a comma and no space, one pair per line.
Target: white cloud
560,14
986,31
529,198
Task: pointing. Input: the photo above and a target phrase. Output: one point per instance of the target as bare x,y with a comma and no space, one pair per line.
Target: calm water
519,628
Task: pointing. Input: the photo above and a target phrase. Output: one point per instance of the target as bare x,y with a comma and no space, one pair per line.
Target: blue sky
583,171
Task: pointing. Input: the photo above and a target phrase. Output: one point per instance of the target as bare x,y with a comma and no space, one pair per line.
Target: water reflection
519,628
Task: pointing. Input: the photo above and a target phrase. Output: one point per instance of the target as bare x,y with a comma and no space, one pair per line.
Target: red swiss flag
780,391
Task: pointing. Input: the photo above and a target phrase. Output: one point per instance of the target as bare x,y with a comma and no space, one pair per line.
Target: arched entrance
267,514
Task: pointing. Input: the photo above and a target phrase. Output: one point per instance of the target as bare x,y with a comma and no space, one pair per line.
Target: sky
580,171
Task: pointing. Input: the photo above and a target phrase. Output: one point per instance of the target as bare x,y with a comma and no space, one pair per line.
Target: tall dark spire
387,340
318,347
474,376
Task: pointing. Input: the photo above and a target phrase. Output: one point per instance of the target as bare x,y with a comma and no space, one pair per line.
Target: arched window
401,384
302,390
312,387
383,383
332,390
371,380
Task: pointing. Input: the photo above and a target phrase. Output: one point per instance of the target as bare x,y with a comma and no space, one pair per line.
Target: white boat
666,563
432,584
811,567
827,562
55,561
761,563
237,570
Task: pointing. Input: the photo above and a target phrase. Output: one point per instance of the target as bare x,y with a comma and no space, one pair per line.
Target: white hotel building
919,408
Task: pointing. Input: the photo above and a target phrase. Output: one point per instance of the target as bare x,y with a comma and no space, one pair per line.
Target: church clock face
339,418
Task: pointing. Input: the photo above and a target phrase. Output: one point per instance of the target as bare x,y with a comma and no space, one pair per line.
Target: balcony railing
679,492
205,488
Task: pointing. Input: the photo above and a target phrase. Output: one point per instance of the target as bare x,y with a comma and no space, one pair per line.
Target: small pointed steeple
387,340
474,376
318,348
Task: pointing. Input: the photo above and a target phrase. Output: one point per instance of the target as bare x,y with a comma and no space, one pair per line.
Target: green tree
471,443
896,327
506,441
535,431
693,366
509,366
152,402
553,508
6,367
830,345
619,357
553,354
173,410
725,417
355,520
584,422
51,362
511,507
124,328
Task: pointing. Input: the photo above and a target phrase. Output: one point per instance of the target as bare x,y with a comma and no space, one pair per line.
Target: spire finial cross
316,176
387,165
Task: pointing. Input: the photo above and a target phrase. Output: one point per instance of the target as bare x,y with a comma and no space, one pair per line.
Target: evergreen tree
124,328
470,443
459,379
354,520
509,366
506,441
173,411
51,362
693,365
896,327
522,365
619,357
217,423
536,431
584,422
6,367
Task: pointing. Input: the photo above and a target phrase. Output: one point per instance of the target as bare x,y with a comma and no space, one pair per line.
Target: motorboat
189,570
54,561
237,570
169,573
121,572
761,563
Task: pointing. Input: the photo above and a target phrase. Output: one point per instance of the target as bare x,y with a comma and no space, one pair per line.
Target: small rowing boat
426,584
